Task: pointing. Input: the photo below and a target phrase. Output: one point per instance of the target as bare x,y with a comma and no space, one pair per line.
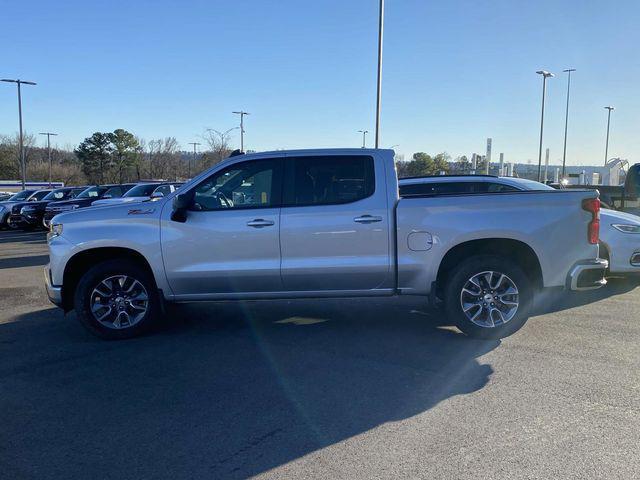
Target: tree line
120,156
112,157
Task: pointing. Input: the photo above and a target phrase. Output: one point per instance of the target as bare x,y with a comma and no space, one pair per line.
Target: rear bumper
54,293
587,275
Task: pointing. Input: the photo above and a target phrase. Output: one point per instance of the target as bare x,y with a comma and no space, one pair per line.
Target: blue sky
455,72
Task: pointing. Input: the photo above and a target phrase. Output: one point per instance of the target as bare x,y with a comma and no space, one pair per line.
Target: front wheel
488,296
116,299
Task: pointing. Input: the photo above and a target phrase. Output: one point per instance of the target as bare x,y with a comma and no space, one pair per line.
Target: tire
493,292
116,289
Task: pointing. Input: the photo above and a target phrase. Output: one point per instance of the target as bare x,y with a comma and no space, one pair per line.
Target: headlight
55,230
626,228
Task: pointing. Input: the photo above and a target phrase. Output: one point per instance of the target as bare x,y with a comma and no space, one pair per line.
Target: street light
545,75
48,134
606,148
566,122
242,114
379,82
364,137
195,144
23,165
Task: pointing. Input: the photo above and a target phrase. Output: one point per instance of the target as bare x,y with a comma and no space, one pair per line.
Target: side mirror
157,195
181,203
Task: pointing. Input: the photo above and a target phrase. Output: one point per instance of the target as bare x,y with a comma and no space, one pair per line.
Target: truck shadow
557,300
226,390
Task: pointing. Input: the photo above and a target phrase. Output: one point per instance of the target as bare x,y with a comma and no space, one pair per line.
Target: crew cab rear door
334,224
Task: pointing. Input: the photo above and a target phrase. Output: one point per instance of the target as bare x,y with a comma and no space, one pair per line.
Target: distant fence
16,185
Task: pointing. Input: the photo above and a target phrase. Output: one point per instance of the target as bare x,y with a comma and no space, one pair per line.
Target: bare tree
219,146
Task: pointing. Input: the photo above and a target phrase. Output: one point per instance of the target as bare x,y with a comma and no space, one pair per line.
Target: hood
613,216
83,202
116,212
116,201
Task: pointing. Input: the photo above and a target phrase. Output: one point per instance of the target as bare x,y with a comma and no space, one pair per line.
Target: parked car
140,193
619,231
5,196
28,215
29,195
85,199
322,223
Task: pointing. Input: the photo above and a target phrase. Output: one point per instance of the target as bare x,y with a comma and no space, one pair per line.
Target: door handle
259,223
367,219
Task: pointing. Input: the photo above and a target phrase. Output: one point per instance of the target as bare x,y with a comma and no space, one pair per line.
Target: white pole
546,166
488,157
556,176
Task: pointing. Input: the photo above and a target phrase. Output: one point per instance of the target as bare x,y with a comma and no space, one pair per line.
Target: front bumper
587,275
17,221
54,293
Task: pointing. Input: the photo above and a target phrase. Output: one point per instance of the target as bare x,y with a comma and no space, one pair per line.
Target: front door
229,243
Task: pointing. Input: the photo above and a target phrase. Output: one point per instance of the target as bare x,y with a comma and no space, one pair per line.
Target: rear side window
329,180
439,188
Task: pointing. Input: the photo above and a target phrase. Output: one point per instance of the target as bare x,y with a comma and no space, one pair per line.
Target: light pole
23,166
48,134
379,83
606,148
242,114
545,75
195,144
364,137
566,121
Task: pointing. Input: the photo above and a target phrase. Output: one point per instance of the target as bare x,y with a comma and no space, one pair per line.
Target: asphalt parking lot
315,389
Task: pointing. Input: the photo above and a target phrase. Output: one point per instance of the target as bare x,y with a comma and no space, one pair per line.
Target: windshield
59,194
530,184
23,195
92,192
143,190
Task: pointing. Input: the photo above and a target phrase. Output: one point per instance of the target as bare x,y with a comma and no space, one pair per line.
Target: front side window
329,180
144,190
39,195
250,184
163,189
113,192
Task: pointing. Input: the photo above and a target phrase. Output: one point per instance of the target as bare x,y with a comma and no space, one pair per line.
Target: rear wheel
116,299
488,296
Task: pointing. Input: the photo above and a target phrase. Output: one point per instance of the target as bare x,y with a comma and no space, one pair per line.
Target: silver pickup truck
322,223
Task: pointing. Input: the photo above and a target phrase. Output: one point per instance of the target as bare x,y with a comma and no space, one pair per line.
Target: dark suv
85,199
28,215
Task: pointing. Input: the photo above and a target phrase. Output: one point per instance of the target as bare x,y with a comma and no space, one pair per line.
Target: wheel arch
82,261
515,250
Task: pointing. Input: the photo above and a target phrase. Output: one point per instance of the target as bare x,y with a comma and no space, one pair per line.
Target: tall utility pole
48,134
242,114
379,83
364,137
195,144
606,148
545,75
488,157
566,122
23,164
